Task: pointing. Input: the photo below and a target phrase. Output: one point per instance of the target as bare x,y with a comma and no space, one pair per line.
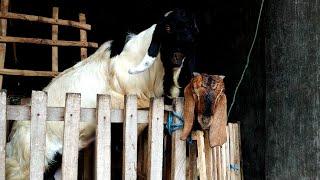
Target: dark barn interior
226,33
272,132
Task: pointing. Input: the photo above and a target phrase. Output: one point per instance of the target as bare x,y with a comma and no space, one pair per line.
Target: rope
172,127
248,58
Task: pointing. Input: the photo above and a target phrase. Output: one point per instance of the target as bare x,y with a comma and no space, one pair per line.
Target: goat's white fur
98,74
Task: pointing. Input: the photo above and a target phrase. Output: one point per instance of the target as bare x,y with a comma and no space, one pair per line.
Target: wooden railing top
41,19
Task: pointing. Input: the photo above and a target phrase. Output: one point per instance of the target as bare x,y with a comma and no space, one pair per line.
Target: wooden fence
54,41
219,163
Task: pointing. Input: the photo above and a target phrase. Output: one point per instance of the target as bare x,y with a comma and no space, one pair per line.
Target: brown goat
205,96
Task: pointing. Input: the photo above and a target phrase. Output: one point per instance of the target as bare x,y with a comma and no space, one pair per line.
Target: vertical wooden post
38,134
224,160
3,129
228,153
209,159
192,170
4,10
178,164
201,155
234,153
217,162
55,31
103,138
155,139
237,158
129,171
71,137
83,36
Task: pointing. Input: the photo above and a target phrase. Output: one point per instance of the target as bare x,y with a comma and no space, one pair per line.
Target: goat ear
152,52
217,131
188,114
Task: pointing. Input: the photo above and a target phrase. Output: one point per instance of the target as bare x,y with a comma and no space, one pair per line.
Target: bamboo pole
83,37
55,30
47,42
4,11
47,20
17,72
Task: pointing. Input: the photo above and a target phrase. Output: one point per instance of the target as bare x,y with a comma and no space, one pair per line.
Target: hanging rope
248,58
172,127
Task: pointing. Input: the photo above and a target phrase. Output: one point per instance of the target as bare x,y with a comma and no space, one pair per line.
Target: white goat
98,74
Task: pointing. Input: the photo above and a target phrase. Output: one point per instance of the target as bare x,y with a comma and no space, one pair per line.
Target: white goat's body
98,74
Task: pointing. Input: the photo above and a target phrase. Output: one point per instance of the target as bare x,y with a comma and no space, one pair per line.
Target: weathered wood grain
130,139
103,138
3,135
55,31
4,10
178,162
71,137
201,155
22,113
155,139
18,72
83,36
5,39
47,20
38,134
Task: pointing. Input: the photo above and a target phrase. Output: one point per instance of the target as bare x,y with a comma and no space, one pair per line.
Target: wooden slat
224,161
178,165
4,10
83,36
130,139
201,155
22,112
228,153
17,72
192,170
55,30
209,159
38,134
103,138
155,139
71,137
237,169
3,135
217,162
47,20
240,151
47,42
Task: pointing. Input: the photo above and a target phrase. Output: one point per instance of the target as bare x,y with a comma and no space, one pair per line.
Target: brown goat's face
207,89
205,97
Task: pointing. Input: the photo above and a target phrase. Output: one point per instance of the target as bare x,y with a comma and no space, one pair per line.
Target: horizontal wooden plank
18,72
49,42
40,19
22,113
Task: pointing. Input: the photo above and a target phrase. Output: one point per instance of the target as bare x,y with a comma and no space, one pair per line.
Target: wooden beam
49,42
4,10
47,20
22,113
155,139
3,135
201,155
179,157
103,138
55,31
130,139
17,72
83,37
38,134
71,137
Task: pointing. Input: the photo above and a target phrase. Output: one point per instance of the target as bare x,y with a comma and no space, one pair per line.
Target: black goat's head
175,37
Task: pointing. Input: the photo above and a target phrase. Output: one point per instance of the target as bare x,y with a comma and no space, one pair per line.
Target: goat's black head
174,36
